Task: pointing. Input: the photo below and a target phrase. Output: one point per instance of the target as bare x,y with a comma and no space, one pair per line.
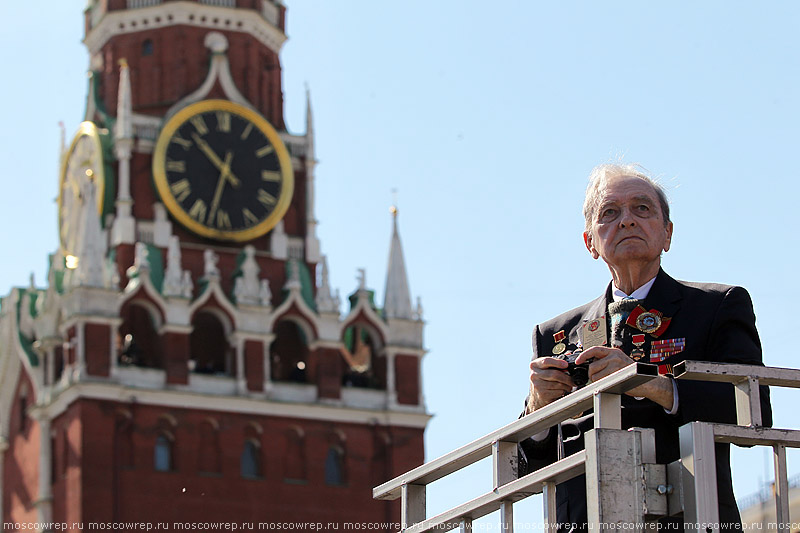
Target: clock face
82,169
222,171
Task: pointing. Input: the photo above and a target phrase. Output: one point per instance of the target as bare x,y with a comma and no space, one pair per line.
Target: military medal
594,332
559,348
652,321
660,350
638,342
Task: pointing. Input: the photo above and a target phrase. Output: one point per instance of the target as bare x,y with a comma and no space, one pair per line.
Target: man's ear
668,241
587,240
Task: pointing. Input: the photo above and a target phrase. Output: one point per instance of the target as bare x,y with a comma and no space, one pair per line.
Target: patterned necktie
619,312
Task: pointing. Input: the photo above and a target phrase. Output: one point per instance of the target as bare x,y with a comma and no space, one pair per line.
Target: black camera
578,373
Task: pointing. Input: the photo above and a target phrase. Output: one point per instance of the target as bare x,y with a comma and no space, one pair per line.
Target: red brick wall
407,373
254,365
373,454
97,342
20,460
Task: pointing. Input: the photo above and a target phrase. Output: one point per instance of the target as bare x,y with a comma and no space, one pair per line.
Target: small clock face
82,168
222,171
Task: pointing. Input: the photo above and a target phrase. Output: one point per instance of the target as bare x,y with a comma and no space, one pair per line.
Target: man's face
628,226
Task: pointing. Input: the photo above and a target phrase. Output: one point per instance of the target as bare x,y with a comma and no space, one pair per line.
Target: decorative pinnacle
393,209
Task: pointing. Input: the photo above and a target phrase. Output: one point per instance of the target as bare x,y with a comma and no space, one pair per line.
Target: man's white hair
602,174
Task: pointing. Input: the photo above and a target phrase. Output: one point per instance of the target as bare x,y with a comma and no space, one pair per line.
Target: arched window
365,366
251,459
289,353
147,47
209,345
123,440
139,343
209,456
162,455
294,461
334,466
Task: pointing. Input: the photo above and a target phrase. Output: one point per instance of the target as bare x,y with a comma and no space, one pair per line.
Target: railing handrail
736,373
571,405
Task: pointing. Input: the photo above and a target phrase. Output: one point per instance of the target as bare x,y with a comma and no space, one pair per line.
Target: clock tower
187,361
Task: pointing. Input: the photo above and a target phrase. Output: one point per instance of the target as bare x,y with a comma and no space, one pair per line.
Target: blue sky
486,118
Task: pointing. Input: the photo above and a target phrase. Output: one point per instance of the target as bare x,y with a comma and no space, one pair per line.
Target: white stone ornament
325,302
173,276
265,294
91,249
293,283
210,270
187,287
247,286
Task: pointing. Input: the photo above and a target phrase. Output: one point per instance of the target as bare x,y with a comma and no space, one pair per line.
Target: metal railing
634,489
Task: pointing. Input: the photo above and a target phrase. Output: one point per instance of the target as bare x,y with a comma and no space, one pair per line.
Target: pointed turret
309,126
123,129
397,298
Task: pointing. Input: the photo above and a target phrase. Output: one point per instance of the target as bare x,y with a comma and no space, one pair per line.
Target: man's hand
549,382
606,361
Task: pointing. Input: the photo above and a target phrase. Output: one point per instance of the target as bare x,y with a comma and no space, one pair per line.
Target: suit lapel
665,296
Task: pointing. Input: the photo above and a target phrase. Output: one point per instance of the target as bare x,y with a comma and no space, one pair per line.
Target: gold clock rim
162,185
89,129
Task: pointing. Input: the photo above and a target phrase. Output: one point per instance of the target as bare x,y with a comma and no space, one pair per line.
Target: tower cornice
127,21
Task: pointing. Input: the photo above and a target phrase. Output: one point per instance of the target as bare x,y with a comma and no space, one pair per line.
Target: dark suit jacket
718,325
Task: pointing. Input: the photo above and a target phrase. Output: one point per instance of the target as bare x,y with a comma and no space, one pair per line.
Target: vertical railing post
699,477
505,463
607,410
550,518
781,489
748,402
413,504
613,479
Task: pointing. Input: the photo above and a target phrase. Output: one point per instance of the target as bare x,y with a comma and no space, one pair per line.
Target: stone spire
123,129
124,228
397,297
313,253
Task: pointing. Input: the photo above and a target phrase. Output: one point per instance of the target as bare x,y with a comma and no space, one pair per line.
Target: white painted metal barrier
635,490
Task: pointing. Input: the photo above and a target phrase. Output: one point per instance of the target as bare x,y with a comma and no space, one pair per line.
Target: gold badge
648,322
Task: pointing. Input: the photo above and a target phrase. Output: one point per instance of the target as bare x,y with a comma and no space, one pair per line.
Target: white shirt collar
639,294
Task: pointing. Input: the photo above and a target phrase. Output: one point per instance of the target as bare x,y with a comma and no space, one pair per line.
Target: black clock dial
223,171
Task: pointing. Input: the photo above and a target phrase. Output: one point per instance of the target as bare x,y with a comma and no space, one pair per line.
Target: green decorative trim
237,273
156,266
307,288
110,181
27,344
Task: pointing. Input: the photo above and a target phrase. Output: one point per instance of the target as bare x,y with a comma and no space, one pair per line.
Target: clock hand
215,160
220,186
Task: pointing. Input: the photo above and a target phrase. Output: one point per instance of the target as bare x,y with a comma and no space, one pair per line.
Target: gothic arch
363,354
289,352
208,456
209,349
294,460
138,340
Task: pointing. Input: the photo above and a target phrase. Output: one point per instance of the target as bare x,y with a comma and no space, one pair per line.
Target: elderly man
643,315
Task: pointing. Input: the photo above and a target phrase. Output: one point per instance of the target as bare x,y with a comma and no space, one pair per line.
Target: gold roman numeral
185,143
181,189
249,217
271,175
199,124
264,150
198,211
223,121
176,166
223,220
247,130
266,198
